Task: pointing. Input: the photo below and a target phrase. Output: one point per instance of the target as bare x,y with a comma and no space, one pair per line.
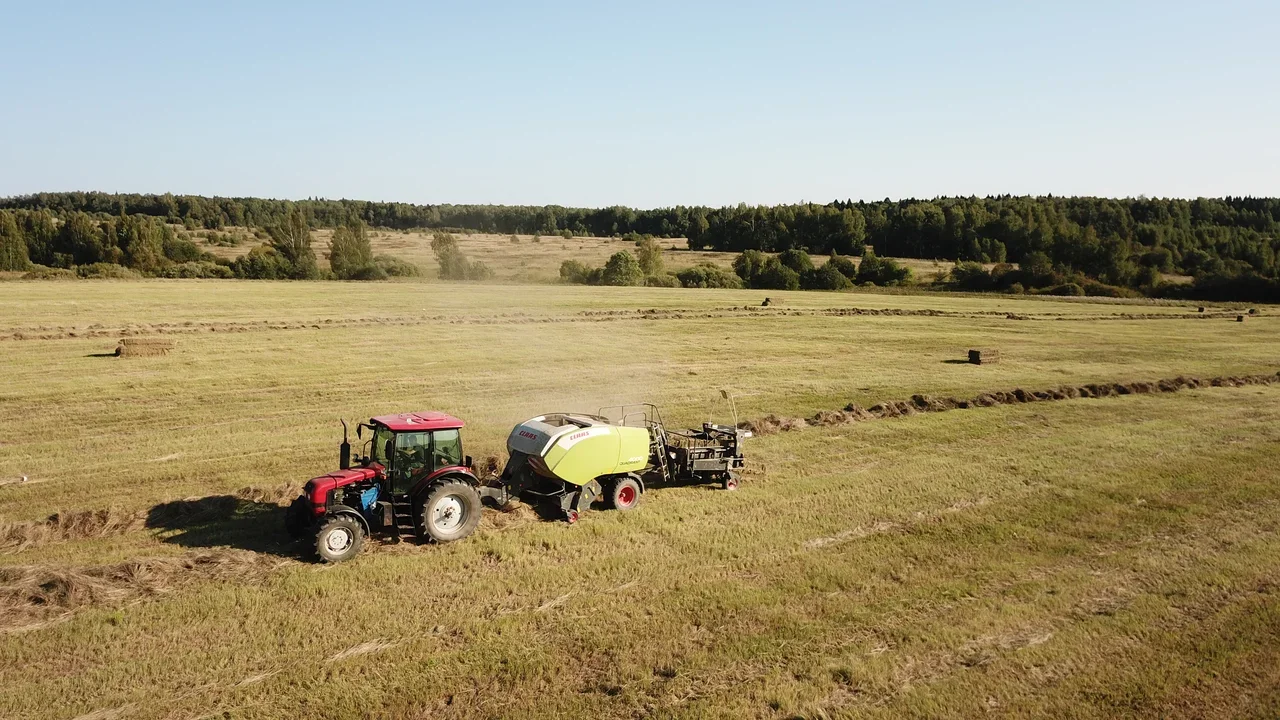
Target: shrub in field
197,269
649,255
395,267
453,263
882,271
291,240
367,272
106,271
515,239
664,280
749,264
970,275
827,277
1066,289
622,269
536,238
479,271
708,275
40,272
1097,289
776,276
573,271
350,252
262,263
797,260
846,266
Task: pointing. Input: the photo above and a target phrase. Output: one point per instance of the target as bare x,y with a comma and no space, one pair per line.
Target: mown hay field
1075,558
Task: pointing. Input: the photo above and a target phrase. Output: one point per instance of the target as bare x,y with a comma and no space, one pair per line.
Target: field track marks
61,332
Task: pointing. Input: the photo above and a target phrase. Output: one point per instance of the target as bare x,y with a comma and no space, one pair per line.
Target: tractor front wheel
339,538
624,494
450,512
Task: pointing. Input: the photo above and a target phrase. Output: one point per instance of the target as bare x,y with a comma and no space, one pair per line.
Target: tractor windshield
378,453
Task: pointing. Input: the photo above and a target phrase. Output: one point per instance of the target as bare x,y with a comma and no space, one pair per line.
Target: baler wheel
339,538
624,494
450,512
730,482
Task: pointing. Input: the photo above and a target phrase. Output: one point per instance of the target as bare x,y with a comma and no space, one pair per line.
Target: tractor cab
409,447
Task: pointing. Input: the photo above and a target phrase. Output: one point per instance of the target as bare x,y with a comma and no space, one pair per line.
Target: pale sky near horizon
644,104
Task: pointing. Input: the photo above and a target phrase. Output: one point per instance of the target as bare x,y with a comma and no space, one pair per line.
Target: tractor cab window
412,457
447,448
378,452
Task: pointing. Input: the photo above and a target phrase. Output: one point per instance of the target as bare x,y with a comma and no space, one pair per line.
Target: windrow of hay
71,525
32,595
281,494
16,536
852,413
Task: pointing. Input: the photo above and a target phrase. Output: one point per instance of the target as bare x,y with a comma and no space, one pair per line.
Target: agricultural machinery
411,477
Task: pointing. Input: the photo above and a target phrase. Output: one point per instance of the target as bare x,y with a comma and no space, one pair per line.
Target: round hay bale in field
143,347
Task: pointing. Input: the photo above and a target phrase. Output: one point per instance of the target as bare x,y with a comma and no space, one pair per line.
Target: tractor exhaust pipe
344,450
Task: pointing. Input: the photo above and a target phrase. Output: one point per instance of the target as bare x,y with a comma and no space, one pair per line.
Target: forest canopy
1120,242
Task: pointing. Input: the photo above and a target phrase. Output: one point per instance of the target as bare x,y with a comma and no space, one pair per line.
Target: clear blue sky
645,103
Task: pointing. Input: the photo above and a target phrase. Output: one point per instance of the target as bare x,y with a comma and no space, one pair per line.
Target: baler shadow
225,521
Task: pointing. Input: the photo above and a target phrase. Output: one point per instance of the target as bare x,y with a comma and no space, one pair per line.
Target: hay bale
1253,311
984,356
1201,309
143,347
1239,318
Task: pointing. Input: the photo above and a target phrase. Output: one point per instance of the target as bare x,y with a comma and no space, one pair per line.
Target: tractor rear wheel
451,511
624,494
339,538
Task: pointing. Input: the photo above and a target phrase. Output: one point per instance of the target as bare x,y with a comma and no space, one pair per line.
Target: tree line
87,245
1116,242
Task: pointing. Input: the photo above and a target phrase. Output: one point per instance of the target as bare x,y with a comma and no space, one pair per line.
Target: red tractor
412,478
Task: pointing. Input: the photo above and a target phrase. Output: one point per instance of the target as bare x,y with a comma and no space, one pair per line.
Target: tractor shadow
225,521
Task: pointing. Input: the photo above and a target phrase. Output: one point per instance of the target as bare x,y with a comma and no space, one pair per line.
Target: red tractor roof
419,421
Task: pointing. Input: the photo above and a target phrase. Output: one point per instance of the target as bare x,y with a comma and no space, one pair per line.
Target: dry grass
1087,558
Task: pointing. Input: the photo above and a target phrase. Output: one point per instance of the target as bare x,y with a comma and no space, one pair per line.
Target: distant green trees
649,255
622,269
794,270
454,265
291,240
351,255
13,247
1126,243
